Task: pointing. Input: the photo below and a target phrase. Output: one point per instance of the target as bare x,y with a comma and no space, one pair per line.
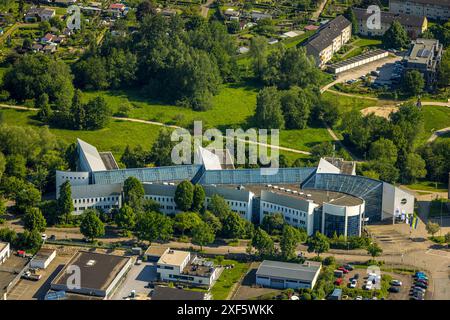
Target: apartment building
329,39
432,9
414,25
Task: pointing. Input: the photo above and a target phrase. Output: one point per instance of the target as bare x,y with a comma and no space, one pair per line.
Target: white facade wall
167,204
42,263
75,179
292,216
396,200
106,203
5,253
337,43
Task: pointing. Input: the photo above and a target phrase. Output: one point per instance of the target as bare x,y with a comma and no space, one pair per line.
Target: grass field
113,138
228,278
435,118
428,186
346,103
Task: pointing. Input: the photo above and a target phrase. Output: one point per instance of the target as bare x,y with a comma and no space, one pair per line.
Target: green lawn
228,278
346,103
435,118
113,138
428,186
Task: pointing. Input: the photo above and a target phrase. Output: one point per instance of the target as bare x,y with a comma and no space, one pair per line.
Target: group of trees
388,144
291,98
182,59
47,84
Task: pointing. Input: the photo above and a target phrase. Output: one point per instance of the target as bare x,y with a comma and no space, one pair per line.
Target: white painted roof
92,156
209,159
326,167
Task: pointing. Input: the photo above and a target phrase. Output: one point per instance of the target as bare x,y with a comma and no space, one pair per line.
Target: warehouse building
43,258
358,61
4,252
99,274
284,275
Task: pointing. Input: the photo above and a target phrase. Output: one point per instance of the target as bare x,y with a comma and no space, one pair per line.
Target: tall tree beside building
258,53
64,206
91,226
161,152
290,238
218,206
263,243
396,37
133,193
233,226
184,195
414,83
125,218
202,235
34,220
350,15
199,197
318,243
152,226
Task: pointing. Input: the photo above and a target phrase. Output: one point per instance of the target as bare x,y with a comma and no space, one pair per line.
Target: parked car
358,298
349,267
356,276
425,282
421,285
353,284
419,273
423,277
31,276
44,237
338,281
396,283
369,285
394,289
345,271
52,237
419,289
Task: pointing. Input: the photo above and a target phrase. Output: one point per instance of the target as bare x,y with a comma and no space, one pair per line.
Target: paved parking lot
137,279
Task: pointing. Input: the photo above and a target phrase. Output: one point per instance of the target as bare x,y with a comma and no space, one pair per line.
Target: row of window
284,209
94,200
232,203
73,178
161,199
105,207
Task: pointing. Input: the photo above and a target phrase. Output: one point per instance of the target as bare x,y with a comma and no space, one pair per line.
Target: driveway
137,279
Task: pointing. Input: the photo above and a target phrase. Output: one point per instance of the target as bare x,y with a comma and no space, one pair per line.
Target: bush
328,261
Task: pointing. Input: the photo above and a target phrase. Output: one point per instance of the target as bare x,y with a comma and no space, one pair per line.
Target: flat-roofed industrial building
283,275
99,274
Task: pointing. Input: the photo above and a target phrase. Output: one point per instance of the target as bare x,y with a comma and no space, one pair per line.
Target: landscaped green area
428,186
228,278
347,103
435,117
115,137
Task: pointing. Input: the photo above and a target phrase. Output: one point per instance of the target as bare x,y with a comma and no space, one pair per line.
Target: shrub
328,261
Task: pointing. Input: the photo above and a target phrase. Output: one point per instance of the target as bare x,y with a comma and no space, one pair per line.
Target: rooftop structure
99,273
174,257
355,62
90,159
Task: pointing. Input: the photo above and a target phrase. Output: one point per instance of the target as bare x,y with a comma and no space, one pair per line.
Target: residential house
414,25
42,14
329,39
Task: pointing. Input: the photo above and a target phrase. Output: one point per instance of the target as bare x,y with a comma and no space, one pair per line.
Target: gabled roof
389,17
327,33
91,155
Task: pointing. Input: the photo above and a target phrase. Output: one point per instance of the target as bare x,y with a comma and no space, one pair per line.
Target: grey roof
389,17
422,51
228,193
159,189
286,270
96,190
327,33
109,161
